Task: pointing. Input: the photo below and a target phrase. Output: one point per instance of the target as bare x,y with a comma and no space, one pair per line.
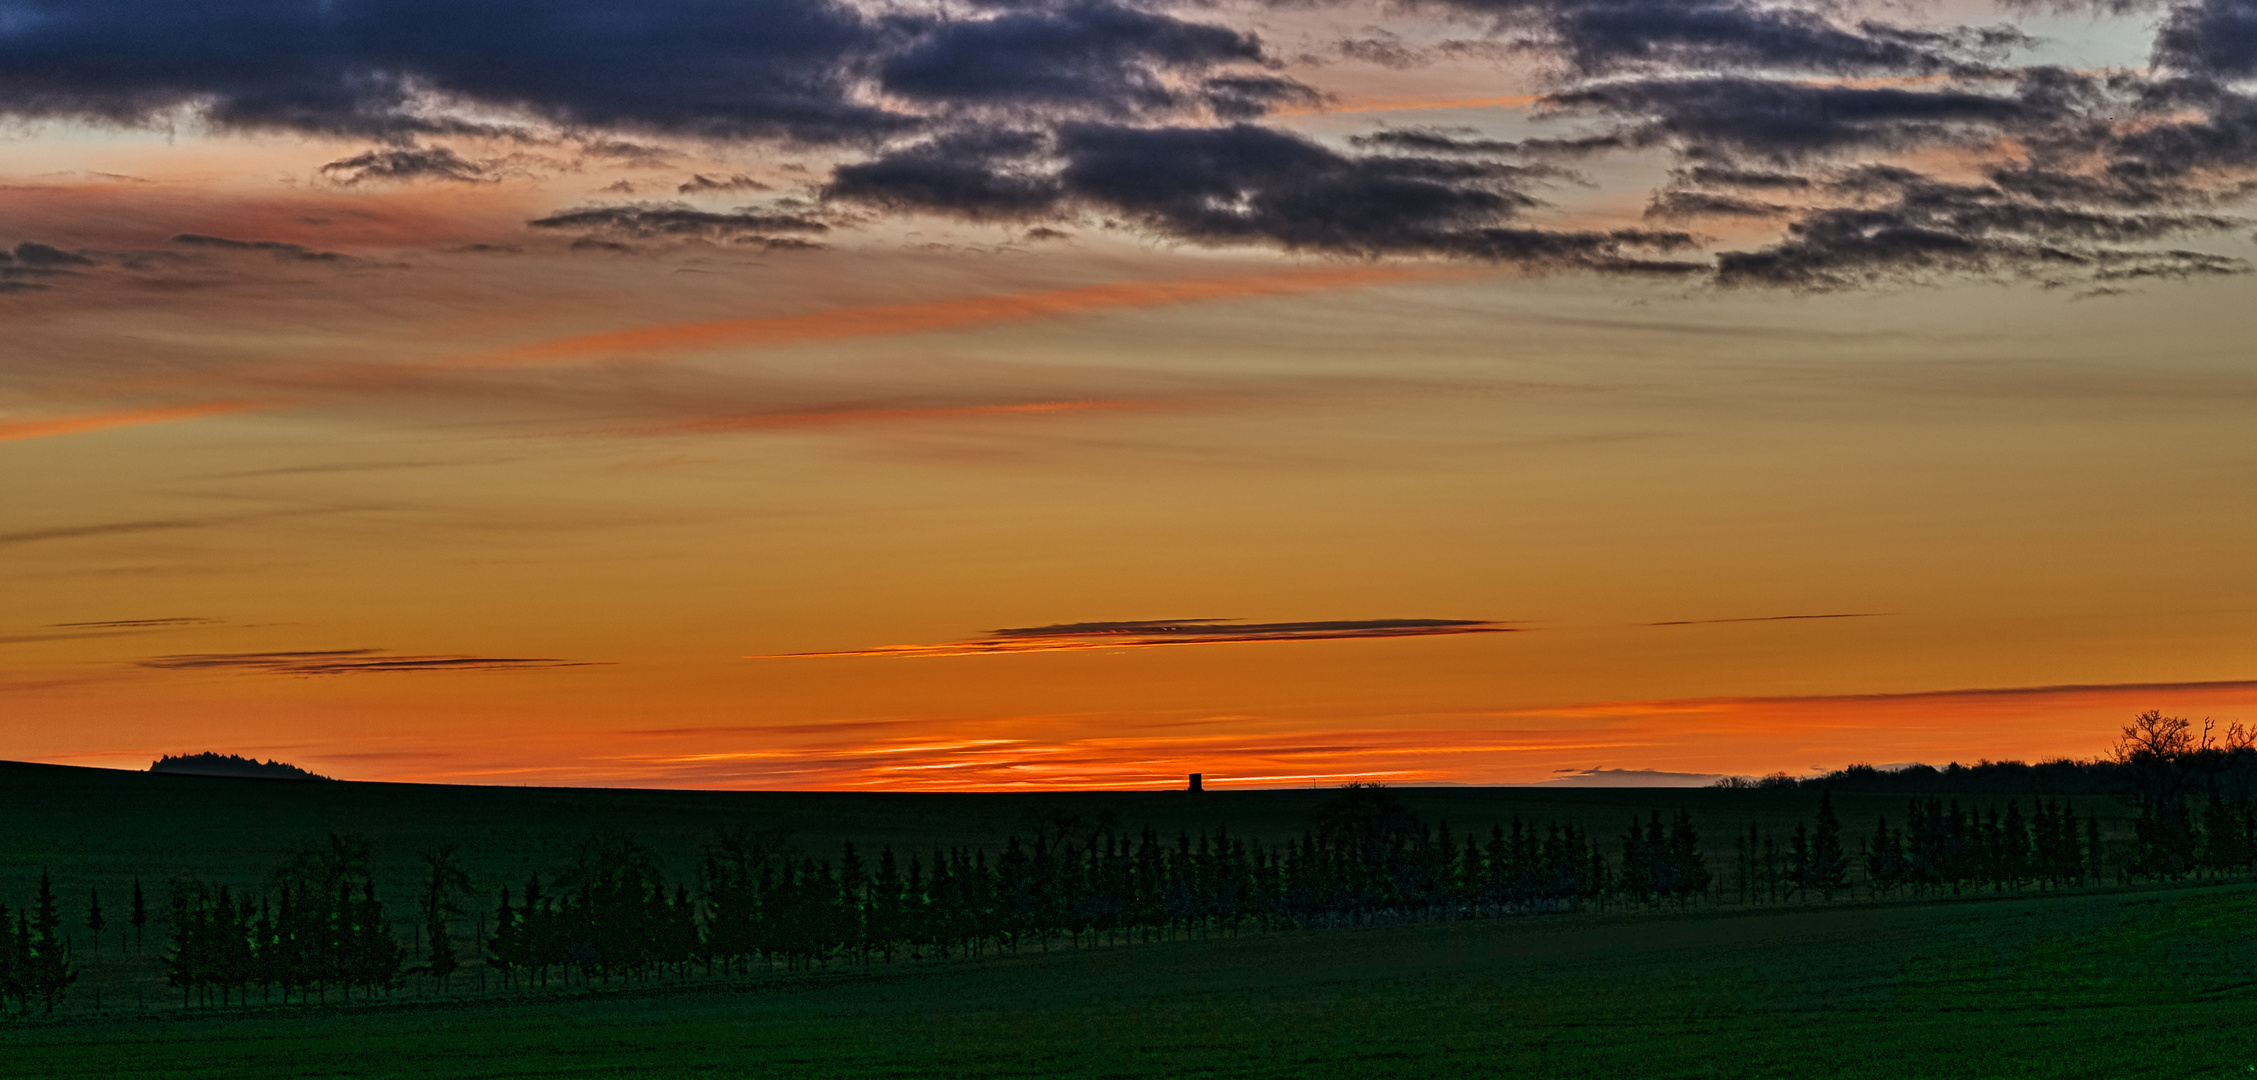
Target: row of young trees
323,929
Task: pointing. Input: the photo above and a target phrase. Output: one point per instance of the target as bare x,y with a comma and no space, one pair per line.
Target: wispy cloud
881,320
351,662
1136,634
70,425
73,631
1629,778
134,624
826,416
1773,618
72,532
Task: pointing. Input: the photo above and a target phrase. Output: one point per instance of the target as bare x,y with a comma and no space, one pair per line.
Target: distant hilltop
210,764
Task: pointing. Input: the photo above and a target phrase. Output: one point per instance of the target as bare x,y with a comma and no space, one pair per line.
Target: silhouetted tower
1195,779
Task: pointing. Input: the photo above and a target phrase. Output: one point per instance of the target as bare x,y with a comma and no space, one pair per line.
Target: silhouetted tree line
2152,749
758,905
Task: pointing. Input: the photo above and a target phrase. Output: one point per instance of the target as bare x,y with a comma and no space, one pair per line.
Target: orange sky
399,488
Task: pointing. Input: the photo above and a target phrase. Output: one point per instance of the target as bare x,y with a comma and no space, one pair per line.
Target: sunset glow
1293,394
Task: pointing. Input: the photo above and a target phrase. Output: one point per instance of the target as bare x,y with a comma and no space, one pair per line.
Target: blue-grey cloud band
1148,114
1132,634
349,662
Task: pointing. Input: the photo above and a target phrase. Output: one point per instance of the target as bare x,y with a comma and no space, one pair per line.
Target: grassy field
2141,983
2100,983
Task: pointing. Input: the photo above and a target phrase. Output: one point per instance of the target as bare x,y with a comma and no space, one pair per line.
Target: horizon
1078,394
1592,778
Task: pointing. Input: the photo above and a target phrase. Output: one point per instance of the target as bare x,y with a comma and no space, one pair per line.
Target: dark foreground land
2097,979
2138,983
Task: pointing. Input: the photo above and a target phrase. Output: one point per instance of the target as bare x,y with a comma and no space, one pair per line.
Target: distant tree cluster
2152,750
2195,793
211,764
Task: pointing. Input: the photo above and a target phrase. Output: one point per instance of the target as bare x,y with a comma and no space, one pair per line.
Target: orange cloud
72,425
882,320
824,417
1684,737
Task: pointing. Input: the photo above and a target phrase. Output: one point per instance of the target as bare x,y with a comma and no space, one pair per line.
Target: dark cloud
2213,37
701,184
1726,176
1600,37
349,661
1387,51
280,250
1145,633
633,155
1429,140
978,174
752,68
31,264
800,70
1790,119
1134,114
435,163
2170,151
42,256
1091,58
1679,205
603,227
1244,185
1932,229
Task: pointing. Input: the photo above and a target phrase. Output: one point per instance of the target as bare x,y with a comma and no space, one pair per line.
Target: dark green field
2115,985
2101,983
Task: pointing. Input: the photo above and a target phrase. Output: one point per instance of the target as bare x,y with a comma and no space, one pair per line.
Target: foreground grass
2144,983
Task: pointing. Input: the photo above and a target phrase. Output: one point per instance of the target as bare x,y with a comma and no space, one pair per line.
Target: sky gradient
1081,393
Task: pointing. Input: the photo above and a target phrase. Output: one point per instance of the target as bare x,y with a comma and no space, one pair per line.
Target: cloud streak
1137,634
11,430
883,320
1772,618
350,662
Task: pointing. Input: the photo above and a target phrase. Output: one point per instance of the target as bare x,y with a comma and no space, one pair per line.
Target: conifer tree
94,920
138,917
48,964
11,964
1827,870
1799,863
2093,861
1688,870
444,881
